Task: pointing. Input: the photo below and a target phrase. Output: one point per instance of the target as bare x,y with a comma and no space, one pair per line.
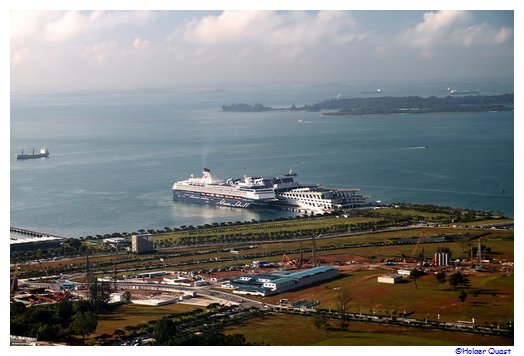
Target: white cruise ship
281,192
241,193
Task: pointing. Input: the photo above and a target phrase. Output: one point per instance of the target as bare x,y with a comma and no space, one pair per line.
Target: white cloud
103,52
433,28
67,25
481,35
443,29
439,22
273,28
24,23
139,43
228,26
19,55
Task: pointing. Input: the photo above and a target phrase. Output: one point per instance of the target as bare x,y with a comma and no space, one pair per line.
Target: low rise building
156,301
151,274
390,279
177,281
404,272
116,298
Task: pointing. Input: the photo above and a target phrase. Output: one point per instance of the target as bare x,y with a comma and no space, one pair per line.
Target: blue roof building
281,281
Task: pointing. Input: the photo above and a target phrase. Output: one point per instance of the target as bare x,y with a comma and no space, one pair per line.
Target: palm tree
416,274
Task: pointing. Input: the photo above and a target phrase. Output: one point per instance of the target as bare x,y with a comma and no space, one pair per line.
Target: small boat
44,152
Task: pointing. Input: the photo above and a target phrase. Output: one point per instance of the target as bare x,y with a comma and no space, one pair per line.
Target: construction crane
479,267
114,279
301,259
88,273
287,261
43,268
14,279
314,251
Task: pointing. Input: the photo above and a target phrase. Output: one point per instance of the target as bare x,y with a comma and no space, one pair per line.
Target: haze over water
115,155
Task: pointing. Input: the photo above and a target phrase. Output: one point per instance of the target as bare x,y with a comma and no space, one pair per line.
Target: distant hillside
416,104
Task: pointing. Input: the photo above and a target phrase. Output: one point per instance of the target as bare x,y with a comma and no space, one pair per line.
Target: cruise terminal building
280,281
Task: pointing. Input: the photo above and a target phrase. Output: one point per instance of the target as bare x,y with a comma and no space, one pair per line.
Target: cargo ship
44,152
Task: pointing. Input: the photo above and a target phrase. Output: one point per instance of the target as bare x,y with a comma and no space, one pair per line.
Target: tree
65,311
317,322
119,333
416,274
343,299
213,306
84,323
211,338
47,331
462,296
458,279
99,294
441,277
164,331
127,296
320,322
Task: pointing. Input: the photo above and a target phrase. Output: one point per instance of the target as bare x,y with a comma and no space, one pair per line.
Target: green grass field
434,217
299,331
266,227
133,314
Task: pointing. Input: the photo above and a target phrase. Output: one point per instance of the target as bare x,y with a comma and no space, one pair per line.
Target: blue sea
115,154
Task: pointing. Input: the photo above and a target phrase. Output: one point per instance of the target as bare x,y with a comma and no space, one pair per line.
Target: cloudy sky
58,50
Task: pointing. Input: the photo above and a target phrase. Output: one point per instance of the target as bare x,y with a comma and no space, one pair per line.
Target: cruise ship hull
215,199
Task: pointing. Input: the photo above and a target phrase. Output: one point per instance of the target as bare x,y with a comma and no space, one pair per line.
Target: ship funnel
209,177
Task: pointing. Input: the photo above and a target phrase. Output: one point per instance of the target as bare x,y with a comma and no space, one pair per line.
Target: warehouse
390,279
281,281
19,242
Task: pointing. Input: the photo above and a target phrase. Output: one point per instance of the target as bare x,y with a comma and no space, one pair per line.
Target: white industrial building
116,298
178,281
156,301
390,279
404,272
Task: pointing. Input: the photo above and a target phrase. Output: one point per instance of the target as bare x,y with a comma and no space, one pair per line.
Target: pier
24,239
32,233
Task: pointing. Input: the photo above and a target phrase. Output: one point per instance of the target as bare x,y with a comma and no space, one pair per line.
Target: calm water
115,156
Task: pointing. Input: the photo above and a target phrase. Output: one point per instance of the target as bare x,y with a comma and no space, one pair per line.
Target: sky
75,50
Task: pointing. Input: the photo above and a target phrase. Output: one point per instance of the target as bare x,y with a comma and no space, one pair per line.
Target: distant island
393,105
246,108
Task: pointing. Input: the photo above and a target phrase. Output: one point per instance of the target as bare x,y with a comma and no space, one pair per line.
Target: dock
25,239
